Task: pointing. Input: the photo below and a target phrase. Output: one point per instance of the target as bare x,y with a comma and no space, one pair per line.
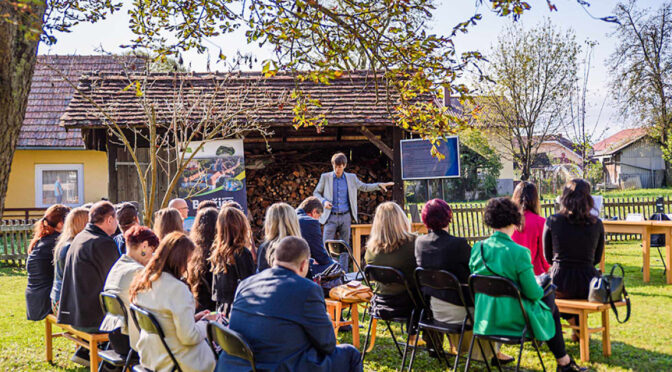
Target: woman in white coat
159,289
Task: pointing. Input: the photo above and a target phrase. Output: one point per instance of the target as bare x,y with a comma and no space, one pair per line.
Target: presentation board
417,162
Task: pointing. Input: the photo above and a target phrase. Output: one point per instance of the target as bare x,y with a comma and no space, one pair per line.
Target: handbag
608,289
331,277
352,292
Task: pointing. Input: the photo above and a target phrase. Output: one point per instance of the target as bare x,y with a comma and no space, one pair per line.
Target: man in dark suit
283,317
309,212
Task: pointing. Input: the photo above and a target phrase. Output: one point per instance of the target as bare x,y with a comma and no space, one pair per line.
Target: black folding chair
113,305
231,342
389,275
497,286
336,248
444,281
145,321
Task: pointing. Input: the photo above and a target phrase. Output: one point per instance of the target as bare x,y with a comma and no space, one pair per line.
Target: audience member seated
439,250
141,243
90,258
280,221
159,289
574,243
74,224
231,259
283,317
167,220
203,234
529,233
127,216
505,258
309,213
206,204
392,244
40,262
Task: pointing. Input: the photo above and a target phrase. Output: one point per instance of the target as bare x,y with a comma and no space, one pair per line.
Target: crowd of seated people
214,274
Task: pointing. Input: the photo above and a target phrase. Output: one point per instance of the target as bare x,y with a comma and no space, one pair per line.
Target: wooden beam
398,188
377,142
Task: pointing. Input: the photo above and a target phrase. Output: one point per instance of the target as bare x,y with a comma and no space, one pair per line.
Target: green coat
502,315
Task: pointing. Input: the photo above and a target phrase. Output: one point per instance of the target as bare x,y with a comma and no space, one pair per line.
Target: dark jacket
90,258
573,250
438,250
283,317
224,285
40,267
262,264
311,231
204,299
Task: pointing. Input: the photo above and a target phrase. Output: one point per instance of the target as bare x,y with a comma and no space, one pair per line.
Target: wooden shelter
357,111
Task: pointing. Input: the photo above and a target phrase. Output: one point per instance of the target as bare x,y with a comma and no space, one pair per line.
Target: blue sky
109,34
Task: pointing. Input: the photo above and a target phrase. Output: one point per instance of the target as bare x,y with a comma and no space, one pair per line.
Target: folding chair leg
415,347
660,253
520,354
394,338
366,341
480,347
127,365
408,338
494,356
459,350
471,350
536,347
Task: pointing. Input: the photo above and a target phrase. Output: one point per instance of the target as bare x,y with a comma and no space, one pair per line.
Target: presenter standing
337,191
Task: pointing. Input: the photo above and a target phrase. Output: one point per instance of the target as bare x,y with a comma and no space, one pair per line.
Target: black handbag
608,289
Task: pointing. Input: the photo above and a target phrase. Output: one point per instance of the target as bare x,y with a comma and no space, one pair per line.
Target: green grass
642,344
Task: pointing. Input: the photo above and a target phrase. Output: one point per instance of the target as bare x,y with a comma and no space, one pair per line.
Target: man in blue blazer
309,212
283,317
337,191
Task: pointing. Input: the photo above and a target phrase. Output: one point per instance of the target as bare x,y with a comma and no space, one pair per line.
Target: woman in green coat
501,315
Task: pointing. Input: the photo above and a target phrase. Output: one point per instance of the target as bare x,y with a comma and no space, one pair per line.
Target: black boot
571,367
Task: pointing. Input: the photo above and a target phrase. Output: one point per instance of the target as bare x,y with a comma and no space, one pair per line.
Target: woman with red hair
40,262
439,250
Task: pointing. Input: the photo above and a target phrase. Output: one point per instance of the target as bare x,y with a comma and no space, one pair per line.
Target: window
59,184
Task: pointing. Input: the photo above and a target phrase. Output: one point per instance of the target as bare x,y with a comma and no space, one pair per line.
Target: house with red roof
631,158
51,164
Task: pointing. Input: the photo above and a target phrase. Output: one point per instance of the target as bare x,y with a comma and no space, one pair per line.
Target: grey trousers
337,224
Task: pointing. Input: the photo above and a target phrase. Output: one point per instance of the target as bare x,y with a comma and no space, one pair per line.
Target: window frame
40,168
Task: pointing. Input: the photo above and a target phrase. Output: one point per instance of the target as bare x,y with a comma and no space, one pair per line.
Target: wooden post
398,188
112,185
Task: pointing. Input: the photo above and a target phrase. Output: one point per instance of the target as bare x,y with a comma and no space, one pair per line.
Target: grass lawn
642,344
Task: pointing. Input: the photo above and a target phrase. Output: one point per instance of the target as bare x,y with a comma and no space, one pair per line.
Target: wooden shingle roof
350,100
50,95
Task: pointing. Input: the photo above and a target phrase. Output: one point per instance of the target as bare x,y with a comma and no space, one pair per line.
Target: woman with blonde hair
280,221
231,259
391,243
167,220
39,264
159,289
74,224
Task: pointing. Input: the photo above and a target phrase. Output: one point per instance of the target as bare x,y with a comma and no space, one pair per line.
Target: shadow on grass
12,271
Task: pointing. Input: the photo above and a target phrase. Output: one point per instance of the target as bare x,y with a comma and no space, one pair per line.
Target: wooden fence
15,236
468,217
25,214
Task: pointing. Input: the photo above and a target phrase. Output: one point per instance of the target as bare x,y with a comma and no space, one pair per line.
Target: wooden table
335,309
645,228
360,230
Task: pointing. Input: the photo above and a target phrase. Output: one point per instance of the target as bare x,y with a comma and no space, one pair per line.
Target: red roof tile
348,101
619,140
50,94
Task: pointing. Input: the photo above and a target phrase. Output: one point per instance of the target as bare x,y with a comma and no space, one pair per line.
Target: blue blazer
284,319
311,231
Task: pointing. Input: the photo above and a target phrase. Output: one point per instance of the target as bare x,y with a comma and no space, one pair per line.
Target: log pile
291,181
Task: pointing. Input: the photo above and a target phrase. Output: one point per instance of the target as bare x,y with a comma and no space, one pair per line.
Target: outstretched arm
369,187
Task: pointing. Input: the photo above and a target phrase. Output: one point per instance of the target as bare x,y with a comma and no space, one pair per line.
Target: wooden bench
87,340
582,308
334,310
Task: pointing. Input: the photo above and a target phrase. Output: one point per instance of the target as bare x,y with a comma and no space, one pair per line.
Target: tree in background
526,95
583,136
409,63
642,70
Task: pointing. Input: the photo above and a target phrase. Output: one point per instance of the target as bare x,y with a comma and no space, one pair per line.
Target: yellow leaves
137,86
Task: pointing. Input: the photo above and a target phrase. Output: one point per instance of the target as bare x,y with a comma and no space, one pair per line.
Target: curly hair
202,234
501,212
233,232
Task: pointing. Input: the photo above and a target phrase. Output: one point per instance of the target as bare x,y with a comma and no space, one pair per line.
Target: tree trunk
18,54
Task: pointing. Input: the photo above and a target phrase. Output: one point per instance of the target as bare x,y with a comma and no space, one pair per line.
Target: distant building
631,159
51,165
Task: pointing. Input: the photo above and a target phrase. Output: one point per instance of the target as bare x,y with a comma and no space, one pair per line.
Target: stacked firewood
284,180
